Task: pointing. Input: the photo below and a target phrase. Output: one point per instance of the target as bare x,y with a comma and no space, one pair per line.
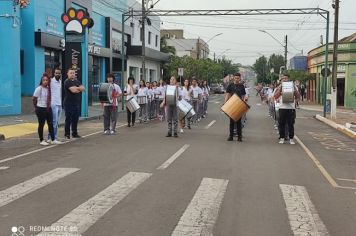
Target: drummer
172,112
110,109
143,94
130,91
185,91
196,95
239,89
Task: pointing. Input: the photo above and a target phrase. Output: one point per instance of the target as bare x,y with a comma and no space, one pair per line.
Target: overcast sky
240,33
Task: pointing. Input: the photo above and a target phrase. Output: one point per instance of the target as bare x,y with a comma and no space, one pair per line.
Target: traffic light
24,3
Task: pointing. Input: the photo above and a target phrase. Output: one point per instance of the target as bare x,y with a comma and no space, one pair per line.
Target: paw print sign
75,20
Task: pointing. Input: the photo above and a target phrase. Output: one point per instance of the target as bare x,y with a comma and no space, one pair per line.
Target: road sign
326,72
180,71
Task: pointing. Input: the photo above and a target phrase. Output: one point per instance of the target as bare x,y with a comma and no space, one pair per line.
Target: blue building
33,41
299,63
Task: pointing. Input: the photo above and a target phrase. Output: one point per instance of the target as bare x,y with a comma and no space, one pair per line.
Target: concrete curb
338,127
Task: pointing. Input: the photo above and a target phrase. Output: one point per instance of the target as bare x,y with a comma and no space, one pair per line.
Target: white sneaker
281,141
44,143
112,132
56,142
106,132
291,141
181,130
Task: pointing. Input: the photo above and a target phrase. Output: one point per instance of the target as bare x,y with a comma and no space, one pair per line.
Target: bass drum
105,92
235,108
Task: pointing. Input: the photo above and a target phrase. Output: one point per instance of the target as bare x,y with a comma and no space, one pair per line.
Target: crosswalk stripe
173,158
13,193
202,212
4,167
302,214
81,218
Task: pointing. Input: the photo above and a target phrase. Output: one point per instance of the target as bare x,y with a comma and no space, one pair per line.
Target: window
156,40
149,38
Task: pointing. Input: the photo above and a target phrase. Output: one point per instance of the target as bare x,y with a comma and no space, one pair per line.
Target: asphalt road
139,182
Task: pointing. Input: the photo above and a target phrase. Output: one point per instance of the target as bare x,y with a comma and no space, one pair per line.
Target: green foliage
202,69
165,48
302,76
261,69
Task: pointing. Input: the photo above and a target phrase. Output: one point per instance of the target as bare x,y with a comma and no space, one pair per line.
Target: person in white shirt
172,111
130,91
196,94
156,92
206,90
56,100
142,100
287,113
162,89
42,102
185,91
149,100
110,109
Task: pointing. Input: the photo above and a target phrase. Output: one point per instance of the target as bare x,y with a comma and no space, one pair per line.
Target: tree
300,75
261,69
275,62
165,48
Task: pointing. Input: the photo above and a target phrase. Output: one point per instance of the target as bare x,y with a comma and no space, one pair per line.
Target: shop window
53,59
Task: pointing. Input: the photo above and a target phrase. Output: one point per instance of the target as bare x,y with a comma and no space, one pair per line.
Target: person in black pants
42,102
130,91
73,93
239,89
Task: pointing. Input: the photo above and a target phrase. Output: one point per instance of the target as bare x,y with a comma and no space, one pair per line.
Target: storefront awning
150,53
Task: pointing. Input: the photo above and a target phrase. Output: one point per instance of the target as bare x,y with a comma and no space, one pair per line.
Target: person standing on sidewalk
110,109
73,93
42,101
239,89
287,113
56,101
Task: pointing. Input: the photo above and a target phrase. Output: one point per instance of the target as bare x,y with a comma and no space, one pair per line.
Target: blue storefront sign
98,30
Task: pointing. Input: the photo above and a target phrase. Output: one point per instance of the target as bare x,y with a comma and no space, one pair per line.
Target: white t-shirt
56,92
117,89
131,92
149,93
162,89
142,91
185,94
156,92
196,91
41,94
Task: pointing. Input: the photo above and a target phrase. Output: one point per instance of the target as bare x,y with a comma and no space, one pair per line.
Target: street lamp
285,46
214,37
221,53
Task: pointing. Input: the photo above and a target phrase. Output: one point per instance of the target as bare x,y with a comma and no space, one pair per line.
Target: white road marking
48,147
317,163
258,104
173,158
4,167
348,180
84,216
210,124
201,214
13,193
217,102
303,217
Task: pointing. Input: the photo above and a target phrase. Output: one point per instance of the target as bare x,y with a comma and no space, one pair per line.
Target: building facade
195,48
299,63
346,73
38,43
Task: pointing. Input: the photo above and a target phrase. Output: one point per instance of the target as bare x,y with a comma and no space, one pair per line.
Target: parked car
217,88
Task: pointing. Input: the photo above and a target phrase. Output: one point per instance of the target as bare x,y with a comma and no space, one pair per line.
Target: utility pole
335,5
198,48
286,52
143,33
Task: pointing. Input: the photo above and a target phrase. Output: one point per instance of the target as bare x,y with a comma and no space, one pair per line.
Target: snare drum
287,91
105,92
171,95
235,108
183,108
142,99
132,105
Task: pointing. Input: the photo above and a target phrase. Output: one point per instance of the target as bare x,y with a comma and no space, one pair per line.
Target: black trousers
238,126
44,115
131,117
286,116
72,118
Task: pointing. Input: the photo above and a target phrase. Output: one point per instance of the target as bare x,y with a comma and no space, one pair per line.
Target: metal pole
286,52
143,19
336,43
326,62
123,54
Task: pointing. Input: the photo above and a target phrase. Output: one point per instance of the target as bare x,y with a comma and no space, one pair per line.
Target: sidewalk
16,126
344,118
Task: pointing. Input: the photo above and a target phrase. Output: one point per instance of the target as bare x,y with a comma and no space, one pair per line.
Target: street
139,182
